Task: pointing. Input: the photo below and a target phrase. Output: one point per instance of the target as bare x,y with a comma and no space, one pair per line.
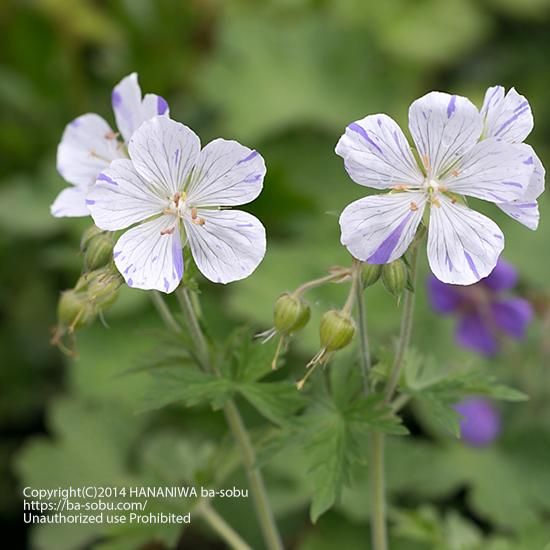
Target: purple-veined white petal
149,256
229,244
164,152
463,245
525,210
226,174
444,127
121,197
88,146
71,202
492,170
376,154
130,110
378,229
507,117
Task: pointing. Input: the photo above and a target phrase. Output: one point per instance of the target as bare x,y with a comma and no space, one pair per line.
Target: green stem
221,527
255,479
197,336
377,489
240,434
405,332
164,312
338,276
364,348
377,480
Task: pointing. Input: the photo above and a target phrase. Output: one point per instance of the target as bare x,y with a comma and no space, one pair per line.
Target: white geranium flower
89,144
179,193
508,117
463,245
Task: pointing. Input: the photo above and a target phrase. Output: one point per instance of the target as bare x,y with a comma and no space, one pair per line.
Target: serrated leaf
185,385
277,401
331,450
372,414
444,413
246,359
439,389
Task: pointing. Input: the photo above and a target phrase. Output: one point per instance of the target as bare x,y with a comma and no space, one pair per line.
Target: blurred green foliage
285,77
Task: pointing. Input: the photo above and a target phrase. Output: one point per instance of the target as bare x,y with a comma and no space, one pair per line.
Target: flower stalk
377,483
240,434
205,510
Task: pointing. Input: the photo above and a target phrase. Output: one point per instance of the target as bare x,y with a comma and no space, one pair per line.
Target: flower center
179,207
433,188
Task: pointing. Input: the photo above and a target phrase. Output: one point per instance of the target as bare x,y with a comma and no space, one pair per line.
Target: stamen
177,197
168,230
426,163
414,206
435,201
111,135
455,173
195,217
401,187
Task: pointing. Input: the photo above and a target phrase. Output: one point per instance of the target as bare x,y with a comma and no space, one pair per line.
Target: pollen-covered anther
168,231
414,206
426,162
401,187
434,201
111,135
195,217
455,173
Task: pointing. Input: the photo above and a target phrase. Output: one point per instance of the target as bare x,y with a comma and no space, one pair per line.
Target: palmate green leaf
245,359
190,386
276,401
239,367
334,440
438,389
332,450
332,434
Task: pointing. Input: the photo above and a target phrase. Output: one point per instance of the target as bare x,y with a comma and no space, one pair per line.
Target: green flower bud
370,273
103,287
74,310
97,246
88,235
290,314
336,330
394,277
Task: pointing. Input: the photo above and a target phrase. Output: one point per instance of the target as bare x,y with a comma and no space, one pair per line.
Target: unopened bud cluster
96,289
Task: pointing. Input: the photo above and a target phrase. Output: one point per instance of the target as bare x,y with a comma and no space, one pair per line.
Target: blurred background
284,77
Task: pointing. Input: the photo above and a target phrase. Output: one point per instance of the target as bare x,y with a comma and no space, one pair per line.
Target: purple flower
485,313
480,424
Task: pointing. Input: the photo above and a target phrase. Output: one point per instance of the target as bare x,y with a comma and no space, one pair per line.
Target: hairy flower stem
332,277
364,348
220,526
377,492
377,483
164,312
240,434
405,331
